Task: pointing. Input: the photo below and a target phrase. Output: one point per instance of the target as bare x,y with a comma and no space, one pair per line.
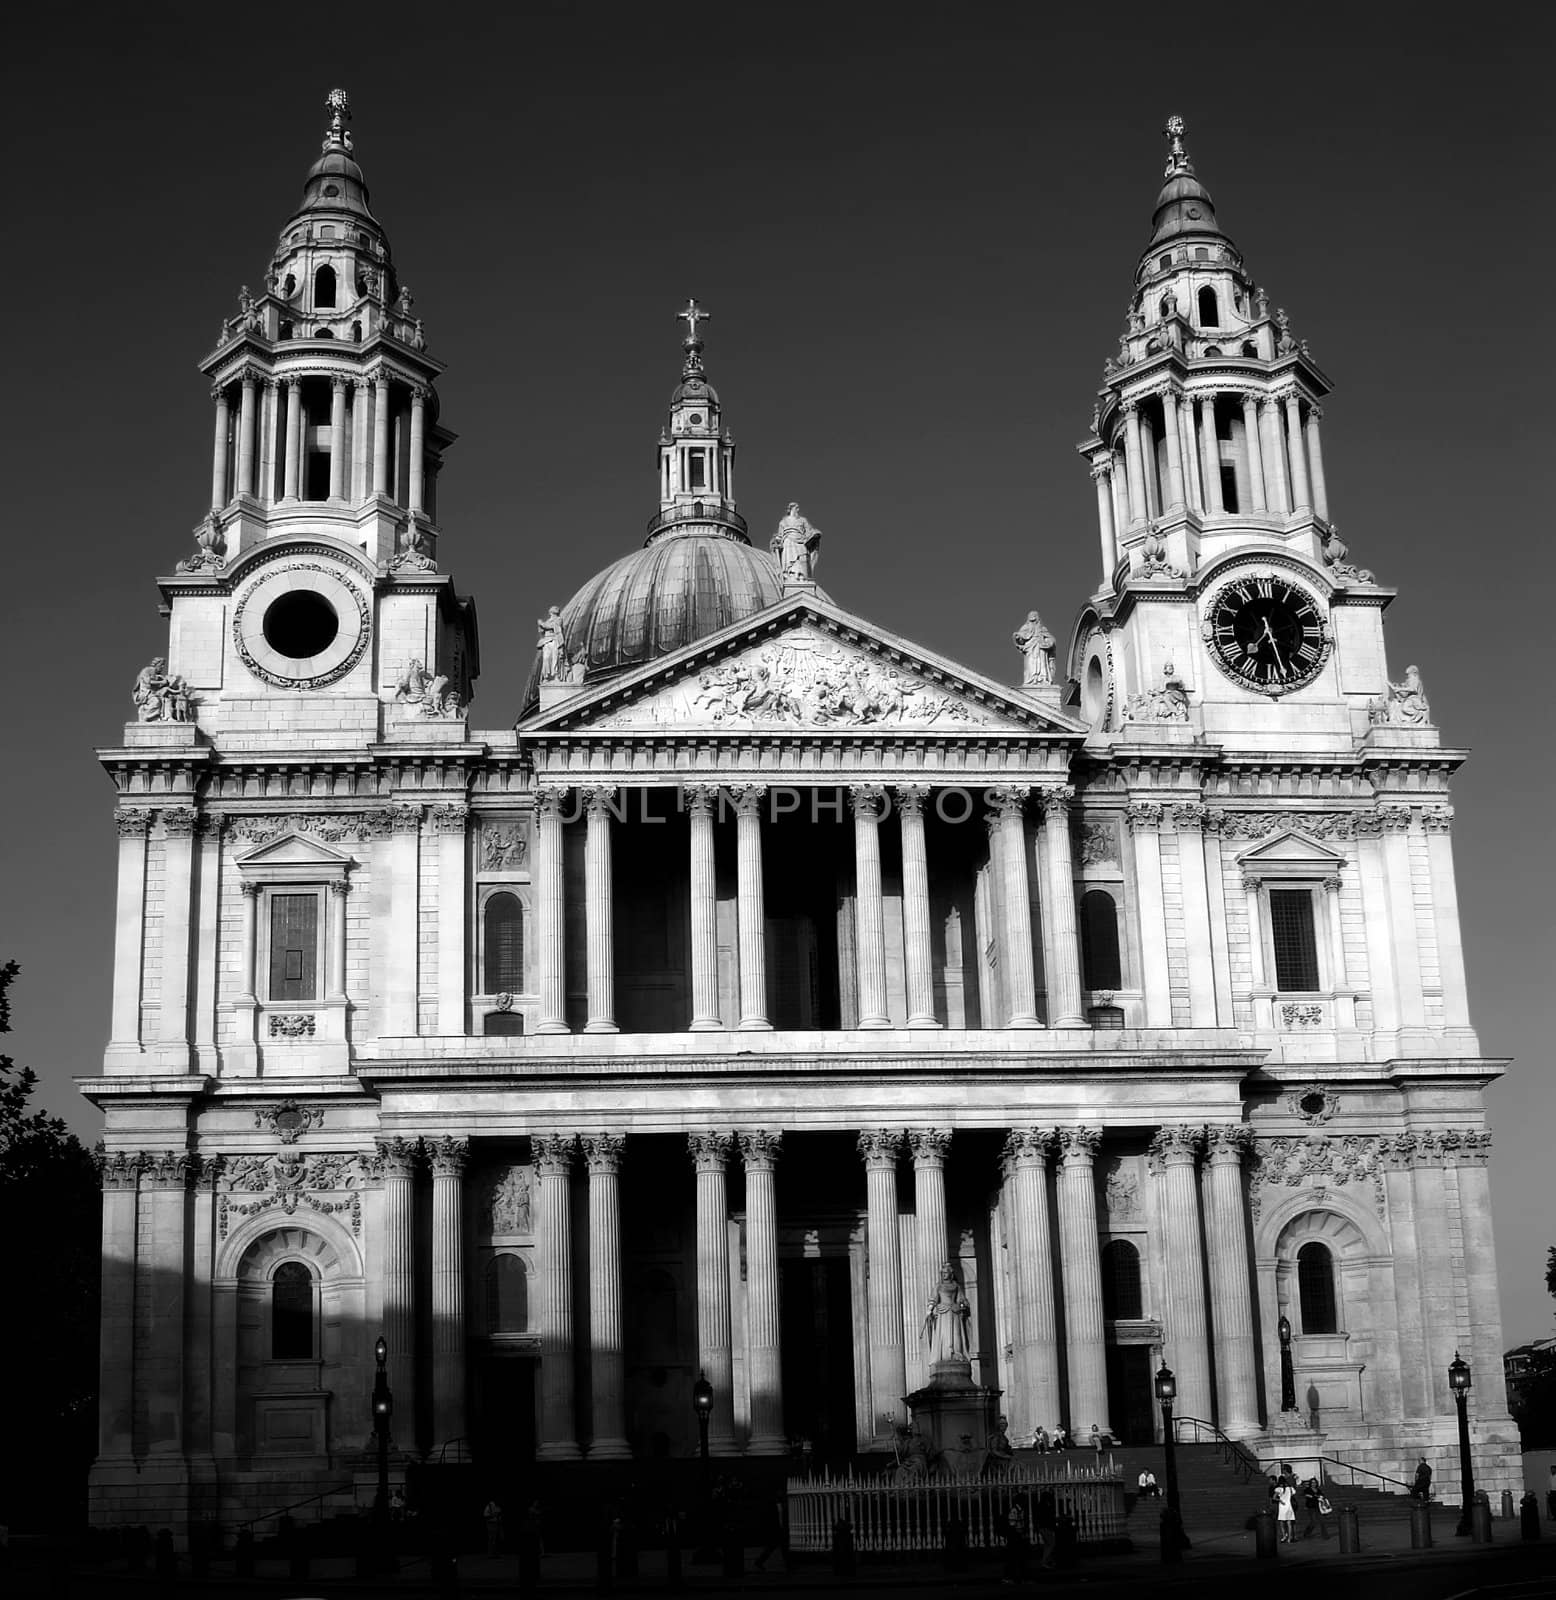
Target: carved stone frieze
503,844
507,1201
1425,1147
288,1121
1260,824
332,827
1098,844
326,1184
1121,1189
1318,1161
291,1024
1300,1014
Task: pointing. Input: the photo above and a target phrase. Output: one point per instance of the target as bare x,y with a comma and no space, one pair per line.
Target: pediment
810,668
1291,854
293,850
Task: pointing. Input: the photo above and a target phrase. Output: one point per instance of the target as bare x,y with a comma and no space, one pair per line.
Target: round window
331,191
1313,1104
695,419
300,625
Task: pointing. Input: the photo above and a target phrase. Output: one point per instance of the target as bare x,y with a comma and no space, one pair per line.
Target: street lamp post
1173,1538
702,1408
1459,1382
383,1410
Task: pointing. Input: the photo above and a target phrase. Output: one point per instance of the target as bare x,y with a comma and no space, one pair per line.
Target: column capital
339,887
404,819
249,379
1078,1146
449,818
910,798
1190,817
1174,1146
868,801
251,889
1230,1144
1331,885
396,1157
1250,883
419,394
361,383
338,382
760,1149
167,1169
1130,404
599,799
700,799
1027,1147
1394,819
1008,799
553,1153
448,1156
1101,465
748,798
709,1151
219,392
1055,799
119,1169
880,1147
1144,816
550,799
1437,819
178,822
930,1146
603,1151
131,824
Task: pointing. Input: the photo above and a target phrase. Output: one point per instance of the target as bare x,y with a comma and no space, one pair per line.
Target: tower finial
1177,157
692,343
338,103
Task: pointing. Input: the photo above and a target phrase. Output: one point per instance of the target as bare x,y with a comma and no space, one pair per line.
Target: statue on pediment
1036,645
1405,704
796,545
552,645
160,695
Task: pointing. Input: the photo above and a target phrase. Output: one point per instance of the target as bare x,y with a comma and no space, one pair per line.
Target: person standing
1015,1544
1096,1442
492,1515
1285,1511
1421,1489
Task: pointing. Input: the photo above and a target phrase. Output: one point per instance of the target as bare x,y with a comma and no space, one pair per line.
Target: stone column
129,925
292,471
1302,493
1082,1261
1315,461
709,1152
1338,978
1274,457
1189,444
450,824
700,801
1252,911
1101,475
159,1376
219,449
1144,819
448,1157
270,415
549,893
930,1147
1377,923
1231,1295
1064,945
760,1150
246,425
1402,914
178,826
751,910
360,388
1210,450
558,1438
1135,459
418,474
337,438
1021,979
249,951
381,435
1185,1336
870,930
403,978
917,941
608,1373
1189,821
597,912
116,1350
1037,1399
883,1242
340,889
1437,821
1255,454
397,1162
1175,487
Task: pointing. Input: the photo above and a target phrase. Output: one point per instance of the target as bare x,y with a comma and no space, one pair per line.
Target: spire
338,103
692,344
696,455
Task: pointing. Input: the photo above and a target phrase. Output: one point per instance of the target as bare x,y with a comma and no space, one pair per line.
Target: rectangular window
696,470
294,946
1291,933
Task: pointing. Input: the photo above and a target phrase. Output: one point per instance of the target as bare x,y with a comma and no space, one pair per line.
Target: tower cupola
696,453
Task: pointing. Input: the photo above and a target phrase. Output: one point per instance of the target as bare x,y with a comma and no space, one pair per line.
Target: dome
335,183
678,588
1183,206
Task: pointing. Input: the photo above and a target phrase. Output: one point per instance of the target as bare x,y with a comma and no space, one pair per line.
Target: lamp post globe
1459,1383
383,1411
1173,1540
702,1408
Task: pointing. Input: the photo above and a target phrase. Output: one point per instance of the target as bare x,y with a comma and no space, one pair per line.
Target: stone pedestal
951,1408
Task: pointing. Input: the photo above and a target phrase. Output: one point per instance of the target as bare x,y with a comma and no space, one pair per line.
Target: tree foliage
1550,1271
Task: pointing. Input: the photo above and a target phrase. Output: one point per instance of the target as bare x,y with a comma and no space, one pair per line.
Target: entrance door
1131,1397
818,1355
502,1425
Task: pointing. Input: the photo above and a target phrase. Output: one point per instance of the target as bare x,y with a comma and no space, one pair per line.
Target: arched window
1100,965
504,945
507,1295
324,289
1209,316
1121,1281
291,1313
1250,350
1315,1289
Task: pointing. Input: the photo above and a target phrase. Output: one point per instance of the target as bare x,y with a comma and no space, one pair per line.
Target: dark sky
916,240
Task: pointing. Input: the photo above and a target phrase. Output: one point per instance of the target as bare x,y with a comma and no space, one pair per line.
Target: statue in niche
1405,704
946,1320
1123,1193
506,1208
796,544
1036,645
161,696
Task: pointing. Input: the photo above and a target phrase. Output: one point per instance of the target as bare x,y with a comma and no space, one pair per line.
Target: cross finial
1177,156
338,103
692,343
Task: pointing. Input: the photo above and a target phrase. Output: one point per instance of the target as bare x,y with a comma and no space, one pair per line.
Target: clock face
1267,634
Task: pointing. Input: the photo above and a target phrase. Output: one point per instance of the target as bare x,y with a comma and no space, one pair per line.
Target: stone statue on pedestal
945,1322
1036,645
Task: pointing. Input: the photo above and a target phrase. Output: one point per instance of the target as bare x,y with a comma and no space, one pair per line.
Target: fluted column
340,889
402,980
1255,454
930,1147
247,428
1301,490
558,1436
120,1171
760,1150
751,911
161,1252
381,435
597,912
549,891
1231,1294
1338,976
608,1373
700,801
1036,1402
883,1243
270,440
870,928
1144,819
360,388
1021,978
1082,1261
917,942
397,1161
418,451
710,1152
1135,459
1194,477
1437,821
178,827
220,448
1210,451
1101,475
1251,911
249,950
1198,944
129,925
1064,945
1175,489
1185,1336
1274,457
292,470
449,1157
337,438
1315,461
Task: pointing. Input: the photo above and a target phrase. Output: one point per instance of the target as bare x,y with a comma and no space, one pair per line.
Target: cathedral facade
762,966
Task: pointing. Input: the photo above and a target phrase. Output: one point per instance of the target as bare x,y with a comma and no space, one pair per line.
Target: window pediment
1291,855
294,859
